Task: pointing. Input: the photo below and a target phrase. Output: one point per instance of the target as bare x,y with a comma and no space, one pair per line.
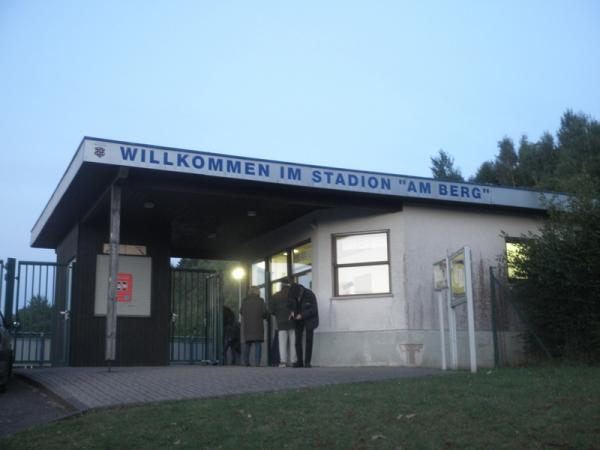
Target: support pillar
113,270
10,268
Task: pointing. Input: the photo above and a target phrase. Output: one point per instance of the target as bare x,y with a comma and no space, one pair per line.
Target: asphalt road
24,405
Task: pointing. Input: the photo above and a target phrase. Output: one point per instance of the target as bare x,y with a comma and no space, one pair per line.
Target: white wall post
470,310
451,319
442,332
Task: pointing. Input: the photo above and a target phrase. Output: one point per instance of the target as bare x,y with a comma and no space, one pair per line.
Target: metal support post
494,318
113,270
42,350
470,310
11,264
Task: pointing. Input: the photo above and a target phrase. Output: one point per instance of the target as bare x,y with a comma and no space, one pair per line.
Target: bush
559,269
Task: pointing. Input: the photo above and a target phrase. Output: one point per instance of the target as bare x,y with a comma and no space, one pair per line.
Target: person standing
231,335
253,313
278,305
302,303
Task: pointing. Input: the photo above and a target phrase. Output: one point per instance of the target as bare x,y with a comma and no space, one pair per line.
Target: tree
557,268
507,163
486,174
559,288
548,164
504,169
579,150
537,162
442,168
36,316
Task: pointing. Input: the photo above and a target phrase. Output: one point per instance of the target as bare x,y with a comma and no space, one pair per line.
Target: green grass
550,407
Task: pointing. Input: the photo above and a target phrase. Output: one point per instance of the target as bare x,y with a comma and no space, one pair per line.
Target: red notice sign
124,287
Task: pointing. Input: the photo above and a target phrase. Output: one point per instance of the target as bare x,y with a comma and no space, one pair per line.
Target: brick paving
94,387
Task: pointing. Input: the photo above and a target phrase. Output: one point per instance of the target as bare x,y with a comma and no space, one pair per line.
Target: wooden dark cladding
140,340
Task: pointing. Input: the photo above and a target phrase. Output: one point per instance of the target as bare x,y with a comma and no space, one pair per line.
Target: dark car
6,353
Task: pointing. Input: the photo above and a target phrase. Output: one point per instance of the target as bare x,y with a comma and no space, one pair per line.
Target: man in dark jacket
302,303
231,335
253,314
278,305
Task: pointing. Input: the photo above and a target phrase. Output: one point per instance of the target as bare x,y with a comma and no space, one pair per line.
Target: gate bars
36,297
33,308
505,312
196,317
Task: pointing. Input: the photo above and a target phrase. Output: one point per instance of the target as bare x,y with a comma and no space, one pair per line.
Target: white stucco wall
431,232
401,328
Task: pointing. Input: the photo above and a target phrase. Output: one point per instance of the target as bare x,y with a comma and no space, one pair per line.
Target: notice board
134,282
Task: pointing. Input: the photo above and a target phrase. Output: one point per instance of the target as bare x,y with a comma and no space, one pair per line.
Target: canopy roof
211,200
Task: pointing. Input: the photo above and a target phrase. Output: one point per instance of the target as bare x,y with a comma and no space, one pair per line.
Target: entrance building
363,242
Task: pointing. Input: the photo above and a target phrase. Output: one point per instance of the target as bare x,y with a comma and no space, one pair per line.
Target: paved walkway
95,387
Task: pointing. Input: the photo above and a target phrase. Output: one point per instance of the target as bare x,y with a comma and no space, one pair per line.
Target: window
278,269
302,264
278,265
361,263
294,261
514,254
259,276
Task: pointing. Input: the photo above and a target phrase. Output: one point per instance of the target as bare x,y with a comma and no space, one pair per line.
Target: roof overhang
97,162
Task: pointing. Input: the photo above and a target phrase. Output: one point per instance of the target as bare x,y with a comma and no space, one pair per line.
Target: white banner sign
215,165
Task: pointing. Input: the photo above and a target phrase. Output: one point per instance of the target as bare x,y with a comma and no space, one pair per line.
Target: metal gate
196,317
37,301
507,316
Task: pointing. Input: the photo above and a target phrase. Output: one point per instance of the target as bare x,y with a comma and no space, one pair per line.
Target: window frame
337,266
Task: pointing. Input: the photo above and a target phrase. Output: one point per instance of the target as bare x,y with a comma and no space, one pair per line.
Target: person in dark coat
278,306
231,335
253,313
302,303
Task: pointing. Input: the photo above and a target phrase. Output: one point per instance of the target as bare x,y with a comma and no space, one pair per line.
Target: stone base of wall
418,348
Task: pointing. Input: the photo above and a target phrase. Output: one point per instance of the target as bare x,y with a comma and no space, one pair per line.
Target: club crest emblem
99,152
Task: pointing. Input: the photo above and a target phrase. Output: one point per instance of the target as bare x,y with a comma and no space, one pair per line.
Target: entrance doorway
37,303
268,274
196,317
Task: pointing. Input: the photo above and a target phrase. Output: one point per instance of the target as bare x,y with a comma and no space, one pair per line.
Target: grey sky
363,85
